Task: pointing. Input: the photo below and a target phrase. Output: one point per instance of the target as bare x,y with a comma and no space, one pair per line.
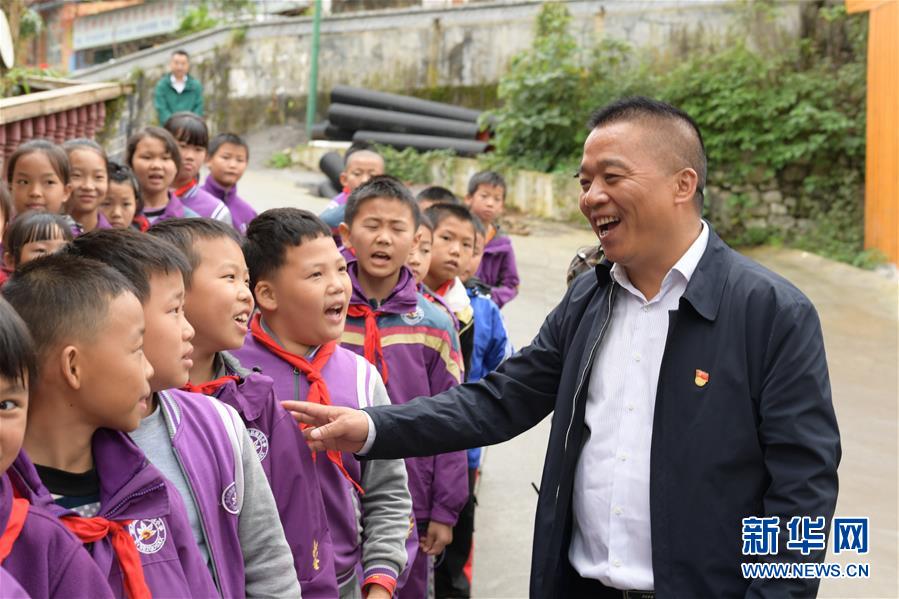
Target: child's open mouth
242,319
380,258
334,312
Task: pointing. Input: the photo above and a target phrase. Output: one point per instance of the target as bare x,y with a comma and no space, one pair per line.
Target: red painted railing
76,110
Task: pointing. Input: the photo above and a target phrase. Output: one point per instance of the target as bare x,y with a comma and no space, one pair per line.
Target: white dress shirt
179,85
611,539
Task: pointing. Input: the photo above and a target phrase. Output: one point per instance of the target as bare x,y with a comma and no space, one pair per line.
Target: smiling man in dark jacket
688,385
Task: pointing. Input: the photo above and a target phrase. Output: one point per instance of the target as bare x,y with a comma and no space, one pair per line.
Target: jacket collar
706,286
402,300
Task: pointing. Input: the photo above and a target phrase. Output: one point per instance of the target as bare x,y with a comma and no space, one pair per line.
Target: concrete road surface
858,310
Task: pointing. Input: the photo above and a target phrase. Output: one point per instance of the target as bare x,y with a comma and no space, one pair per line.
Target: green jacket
168,101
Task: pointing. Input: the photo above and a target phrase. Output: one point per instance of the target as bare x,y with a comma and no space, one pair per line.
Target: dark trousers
450,581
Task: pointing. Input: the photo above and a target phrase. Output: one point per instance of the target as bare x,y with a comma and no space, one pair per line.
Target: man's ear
685,182
71,366
266,298
343,180
468,199
344,230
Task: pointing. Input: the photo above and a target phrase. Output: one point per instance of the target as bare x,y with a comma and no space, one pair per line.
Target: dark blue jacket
760,438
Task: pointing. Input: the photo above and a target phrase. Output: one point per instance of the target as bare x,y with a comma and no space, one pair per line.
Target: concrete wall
258,73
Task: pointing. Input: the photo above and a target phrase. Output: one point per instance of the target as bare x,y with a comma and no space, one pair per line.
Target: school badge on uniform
702,378
149,535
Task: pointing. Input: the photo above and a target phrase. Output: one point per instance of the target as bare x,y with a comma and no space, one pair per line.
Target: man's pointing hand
330,427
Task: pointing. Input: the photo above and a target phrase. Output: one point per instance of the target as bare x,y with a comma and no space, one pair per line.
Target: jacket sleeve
197,108
77,575
505,403
160,100
799,436
506,288
386,512
299,501
499,341
268,562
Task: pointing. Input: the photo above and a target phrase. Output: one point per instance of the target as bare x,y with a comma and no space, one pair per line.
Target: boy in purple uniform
486,198
190,131
198,443
40,557
413,344
228,157
302,290
218,304
91,383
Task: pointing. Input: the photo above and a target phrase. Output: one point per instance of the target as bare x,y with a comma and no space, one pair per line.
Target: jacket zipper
145,491
577,391
193,495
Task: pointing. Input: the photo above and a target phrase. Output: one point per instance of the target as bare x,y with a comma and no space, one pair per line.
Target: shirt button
622,457
630,407
646,308
617,511
617,563
637,356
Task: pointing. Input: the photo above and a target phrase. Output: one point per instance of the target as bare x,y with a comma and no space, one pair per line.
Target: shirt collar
685,266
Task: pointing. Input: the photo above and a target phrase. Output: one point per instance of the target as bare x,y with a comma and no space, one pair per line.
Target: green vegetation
207,14
280,160
791,119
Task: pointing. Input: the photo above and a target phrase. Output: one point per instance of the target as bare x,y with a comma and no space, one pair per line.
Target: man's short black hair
188,128
486,178
227,138
184,233
181,52
383,187
18,363
688,145
63,297
437,194
272,233
440,212
135,255
119,173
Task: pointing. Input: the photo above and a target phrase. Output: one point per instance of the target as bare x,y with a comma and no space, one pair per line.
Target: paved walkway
858,310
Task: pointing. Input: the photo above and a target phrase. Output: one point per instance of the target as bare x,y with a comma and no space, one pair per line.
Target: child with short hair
40,556
90,387
38,177
435,194
486,199
89,174
193,138
454,239
361,163
155,158
228,157
122,205
200,444
413,344
419,260
299,280
33,235
490,347
218,304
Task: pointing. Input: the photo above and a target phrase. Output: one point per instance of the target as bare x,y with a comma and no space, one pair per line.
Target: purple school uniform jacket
288,465
373,530
498,269
133,489
11,589
174,209
241,210
46,560
205,204
421,349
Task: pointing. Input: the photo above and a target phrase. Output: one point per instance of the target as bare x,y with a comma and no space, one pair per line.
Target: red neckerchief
142,223
318,388
90,530
185,188
210,387
13,526
441,291
372,349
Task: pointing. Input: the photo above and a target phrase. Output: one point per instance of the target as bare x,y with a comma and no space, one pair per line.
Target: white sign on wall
150,19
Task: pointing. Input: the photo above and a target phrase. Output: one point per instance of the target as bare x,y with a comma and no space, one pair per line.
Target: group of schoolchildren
150,328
